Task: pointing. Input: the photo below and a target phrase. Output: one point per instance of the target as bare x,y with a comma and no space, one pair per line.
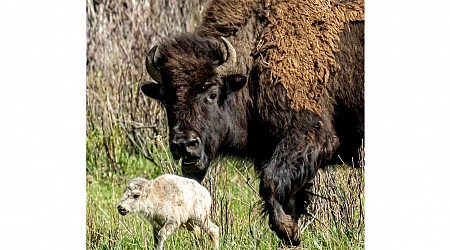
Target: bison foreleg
285,179
276,189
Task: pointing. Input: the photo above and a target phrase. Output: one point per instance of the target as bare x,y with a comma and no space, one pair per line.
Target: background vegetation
126,137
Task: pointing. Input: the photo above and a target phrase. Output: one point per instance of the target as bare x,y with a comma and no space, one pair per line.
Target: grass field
337,220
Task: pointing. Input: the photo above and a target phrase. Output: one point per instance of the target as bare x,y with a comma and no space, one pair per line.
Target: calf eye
135,196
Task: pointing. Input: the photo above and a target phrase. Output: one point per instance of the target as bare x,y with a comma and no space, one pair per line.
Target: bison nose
121,210
185,144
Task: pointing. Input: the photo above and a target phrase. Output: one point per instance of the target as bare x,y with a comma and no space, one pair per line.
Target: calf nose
185,144
121,210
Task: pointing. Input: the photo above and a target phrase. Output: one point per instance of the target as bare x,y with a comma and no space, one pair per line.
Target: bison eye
135,196
213,96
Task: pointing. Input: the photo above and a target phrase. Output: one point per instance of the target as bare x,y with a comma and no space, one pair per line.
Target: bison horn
152,69
230,62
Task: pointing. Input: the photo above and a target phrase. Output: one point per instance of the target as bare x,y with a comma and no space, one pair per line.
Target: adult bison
278,82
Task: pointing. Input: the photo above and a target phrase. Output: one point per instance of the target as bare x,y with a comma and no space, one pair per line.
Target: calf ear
152,90
235,82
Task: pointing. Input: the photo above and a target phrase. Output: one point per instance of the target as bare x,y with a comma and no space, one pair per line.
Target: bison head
194,82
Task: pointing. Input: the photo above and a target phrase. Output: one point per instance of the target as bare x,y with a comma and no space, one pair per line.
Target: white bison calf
168,202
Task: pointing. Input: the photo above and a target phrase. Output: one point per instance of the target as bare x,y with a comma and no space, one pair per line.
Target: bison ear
235,82
152,90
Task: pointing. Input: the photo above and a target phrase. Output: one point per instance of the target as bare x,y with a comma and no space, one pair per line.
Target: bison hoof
287,230
289,242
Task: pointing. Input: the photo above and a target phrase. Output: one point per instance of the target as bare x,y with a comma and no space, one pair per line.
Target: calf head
134,195
194,83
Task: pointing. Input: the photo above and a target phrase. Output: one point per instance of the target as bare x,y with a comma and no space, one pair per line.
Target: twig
246,178
144,153
131,233
342,161
309,221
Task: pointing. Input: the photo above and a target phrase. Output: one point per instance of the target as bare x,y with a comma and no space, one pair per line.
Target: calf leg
211,229
166,230
193,227
213,232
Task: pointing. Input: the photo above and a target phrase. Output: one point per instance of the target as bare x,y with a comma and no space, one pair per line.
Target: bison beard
223,98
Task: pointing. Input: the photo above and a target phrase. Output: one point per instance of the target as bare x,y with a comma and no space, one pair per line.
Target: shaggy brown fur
297,44
242,26
292,103
300,42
